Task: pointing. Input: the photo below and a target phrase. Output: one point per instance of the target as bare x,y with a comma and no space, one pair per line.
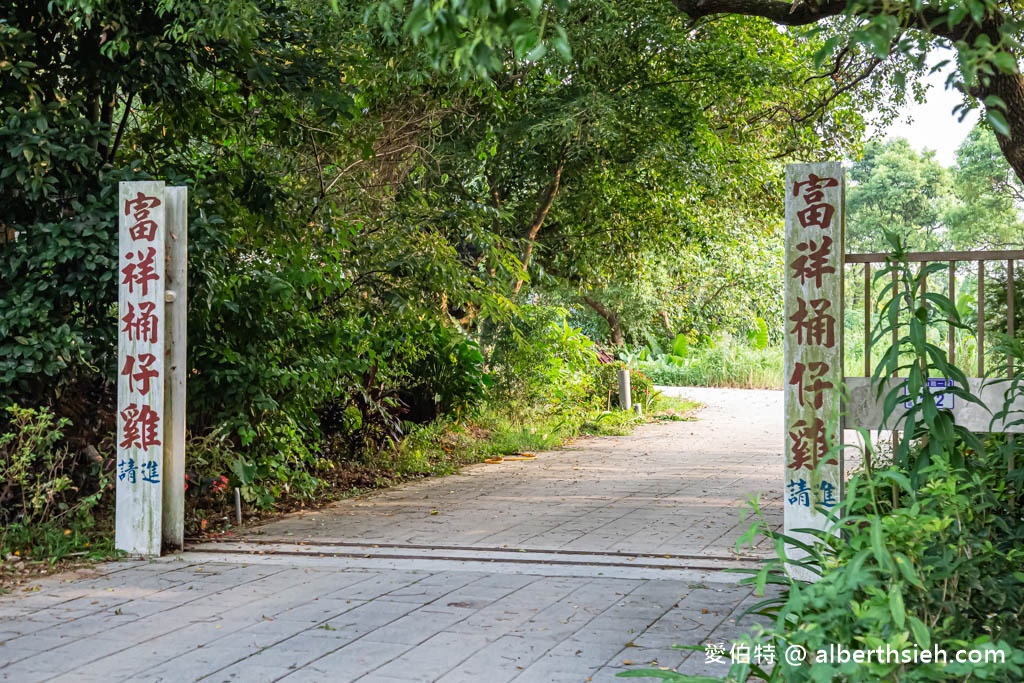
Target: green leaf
997,120
896,606
921,634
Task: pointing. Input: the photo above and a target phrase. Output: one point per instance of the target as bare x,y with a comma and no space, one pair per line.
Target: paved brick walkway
572,568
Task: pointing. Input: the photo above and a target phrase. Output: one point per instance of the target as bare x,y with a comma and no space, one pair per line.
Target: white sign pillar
140,364
815,215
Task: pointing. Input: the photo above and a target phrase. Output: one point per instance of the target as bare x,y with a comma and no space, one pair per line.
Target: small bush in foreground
48,498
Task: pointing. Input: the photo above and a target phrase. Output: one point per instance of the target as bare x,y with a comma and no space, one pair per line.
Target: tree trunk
538,218
1009,88
611,317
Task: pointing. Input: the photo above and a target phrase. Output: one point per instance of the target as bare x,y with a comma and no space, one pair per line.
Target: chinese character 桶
799,493
151,472
139,377
827,494
142,326
813,325
808,379
813,264
141,273
126,470
713,653
140,427
810,445
815,191
143,203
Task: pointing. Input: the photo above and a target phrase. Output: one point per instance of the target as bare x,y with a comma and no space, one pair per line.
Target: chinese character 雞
812,264
810,445
140,427
814,326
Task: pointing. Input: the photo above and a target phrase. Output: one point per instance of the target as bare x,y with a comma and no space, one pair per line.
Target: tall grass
728,363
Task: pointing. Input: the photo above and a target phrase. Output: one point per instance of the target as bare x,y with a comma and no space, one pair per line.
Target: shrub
43,490
541,361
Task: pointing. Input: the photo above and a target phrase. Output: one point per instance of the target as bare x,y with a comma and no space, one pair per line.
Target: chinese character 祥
808,379
799,493
141,273
126,470
814,326
140,427
764,654
815,191
740,654
713,653
810,445
812,264
139,377
143,203
142,326
151,472
827,494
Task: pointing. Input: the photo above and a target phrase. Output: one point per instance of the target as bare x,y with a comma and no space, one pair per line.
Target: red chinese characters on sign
140,427
810,380
141,324
140,396
813,266
141,273
813,325
138,208
813,263
140,372
818,214
809,445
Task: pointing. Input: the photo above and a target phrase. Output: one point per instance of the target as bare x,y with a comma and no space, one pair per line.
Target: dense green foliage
926,549
374,244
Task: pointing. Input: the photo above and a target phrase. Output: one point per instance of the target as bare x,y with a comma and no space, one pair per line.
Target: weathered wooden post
140,362
151,367
176,298
815,215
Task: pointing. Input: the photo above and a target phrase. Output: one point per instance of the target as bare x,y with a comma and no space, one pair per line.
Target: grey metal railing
952,258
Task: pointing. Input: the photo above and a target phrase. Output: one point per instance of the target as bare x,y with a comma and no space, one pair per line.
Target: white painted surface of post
176,312
813,471
140,366
625,390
